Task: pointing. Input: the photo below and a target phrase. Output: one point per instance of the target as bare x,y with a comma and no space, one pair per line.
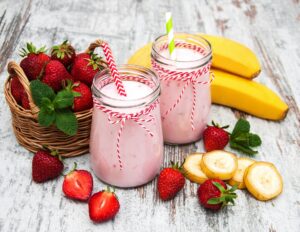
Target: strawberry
215,137
64,53
78,184
170,182
54,75
46,166
103,206
86,66
213,194
25,102
17,89
82,96
34,61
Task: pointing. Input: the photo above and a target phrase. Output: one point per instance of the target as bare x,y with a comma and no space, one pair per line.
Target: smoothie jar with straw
126,143
185,83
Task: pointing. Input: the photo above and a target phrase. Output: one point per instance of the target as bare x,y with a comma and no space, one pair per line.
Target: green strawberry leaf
46,117
214,201
66,121
242,125
39,90
76,94
254,140
63,99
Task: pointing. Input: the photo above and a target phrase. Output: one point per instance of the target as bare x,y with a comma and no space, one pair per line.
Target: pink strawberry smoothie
141,155
177,123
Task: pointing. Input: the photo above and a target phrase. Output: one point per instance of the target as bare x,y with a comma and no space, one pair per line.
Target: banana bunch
234,66
261,179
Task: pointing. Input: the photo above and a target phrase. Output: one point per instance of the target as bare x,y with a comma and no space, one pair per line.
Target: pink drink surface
141,154
177,123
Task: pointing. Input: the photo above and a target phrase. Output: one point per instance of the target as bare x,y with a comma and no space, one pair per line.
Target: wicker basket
33,136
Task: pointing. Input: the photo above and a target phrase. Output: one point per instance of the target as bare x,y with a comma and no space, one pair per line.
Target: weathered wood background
271,28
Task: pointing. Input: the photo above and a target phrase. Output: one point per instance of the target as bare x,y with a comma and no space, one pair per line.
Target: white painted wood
271,28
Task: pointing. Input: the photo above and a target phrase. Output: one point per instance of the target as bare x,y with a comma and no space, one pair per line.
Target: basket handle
14,69
96,44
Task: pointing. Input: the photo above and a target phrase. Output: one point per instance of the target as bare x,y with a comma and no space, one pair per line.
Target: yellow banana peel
233,57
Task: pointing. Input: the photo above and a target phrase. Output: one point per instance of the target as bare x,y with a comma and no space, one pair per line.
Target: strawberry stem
73,169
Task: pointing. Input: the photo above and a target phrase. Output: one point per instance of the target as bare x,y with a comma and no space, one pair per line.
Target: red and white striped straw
113,69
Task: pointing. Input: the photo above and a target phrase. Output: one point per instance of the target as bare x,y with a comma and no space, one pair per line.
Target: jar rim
170,60
127,103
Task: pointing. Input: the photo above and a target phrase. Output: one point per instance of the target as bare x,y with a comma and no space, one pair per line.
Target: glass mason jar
126,142
185,84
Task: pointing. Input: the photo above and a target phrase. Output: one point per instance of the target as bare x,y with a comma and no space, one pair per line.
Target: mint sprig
54,108
241,139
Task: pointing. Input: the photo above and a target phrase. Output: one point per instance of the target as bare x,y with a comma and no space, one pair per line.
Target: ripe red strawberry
17,89
46,166
54,75
213,194
64,53
215,137
86,66
82,96
34,60
103,206
78,184
170,182
25,102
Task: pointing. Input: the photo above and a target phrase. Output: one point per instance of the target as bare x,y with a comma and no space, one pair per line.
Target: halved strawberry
103,206
78,184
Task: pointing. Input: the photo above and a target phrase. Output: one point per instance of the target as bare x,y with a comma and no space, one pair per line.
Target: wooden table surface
271,28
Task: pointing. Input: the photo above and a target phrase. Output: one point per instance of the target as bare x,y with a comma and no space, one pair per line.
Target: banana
263,181
233,91
192,168
233,57
248,96
238,177
219,164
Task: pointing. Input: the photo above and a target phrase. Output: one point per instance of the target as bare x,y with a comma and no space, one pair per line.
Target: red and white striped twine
115,117
113,69
192,77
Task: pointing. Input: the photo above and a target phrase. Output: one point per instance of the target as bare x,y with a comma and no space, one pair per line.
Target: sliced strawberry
103,206
78,184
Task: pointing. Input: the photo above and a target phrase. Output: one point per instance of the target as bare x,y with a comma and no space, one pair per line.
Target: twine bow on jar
141,117
187,77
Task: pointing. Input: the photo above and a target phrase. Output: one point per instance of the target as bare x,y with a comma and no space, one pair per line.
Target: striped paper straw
170,32
113,69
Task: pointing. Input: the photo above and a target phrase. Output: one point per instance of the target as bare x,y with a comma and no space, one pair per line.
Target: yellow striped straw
170,32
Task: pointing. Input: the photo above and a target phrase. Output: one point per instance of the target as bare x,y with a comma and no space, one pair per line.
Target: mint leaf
63,99
246,150
254,140
46,117
39,90
66,121
241,126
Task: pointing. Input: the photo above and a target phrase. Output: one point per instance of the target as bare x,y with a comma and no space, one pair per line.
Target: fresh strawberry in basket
82,96
85,67
46,166
64,53
17,89
18,92
34,60
54,74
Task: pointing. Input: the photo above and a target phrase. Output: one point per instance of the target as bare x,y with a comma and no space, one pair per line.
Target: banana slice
192,168
238,177
263,180
219,164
